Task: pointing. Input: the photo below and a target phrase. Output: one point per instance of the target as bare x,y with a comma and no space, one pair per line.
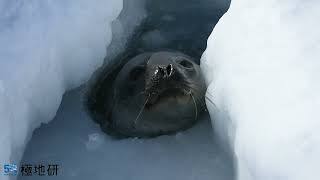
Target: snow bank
46,48
262,65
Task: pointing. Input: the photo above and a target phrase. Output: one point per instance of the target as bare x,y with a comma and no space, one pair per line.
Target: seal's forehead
162,58
165,58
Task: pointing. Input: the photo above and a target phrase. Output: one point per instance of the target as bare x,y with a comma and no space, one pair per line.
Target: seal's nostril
164,72
160,71
169,70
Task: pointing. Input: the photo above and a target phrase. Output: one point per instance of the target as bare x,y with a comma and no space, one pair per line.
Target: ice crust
262,66
46,48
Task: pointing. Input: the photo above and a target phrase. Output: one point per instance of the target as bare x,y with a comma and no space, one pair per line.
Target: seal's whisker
141,110
211,101
195,105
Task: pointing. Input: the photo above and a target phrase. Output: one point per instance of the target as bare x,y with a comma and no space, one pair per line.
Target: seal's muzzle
163,76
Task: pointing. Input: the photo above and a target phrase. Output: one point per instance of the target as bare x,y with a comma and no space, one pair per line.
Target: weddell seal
151,94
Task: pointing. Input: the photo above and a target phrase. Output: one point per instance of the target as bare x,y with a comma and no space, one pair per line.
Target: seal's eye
136,73
186,64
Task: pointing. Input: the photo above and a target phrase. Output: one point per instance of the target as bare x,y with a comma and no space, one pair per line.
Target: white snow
262,65
46,48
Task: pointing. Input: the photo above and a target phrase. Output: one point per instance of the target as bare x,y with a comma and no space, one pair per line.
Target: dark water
182,25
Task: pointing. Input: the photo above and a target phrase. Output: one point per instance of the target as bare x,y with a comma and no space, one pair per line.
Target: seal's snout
159,76
168,77
164,71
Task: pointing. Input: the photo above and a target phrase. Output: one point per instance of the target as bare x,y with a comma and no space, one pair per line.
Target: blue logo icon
10,169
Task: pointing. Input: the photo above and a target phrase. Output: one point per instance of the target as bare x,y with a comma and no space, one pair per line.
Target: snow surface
46,48
49,47
262,65
82,151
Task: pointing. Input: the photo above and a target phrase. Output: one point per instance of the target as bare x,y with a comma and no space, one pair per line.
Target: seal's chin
155,98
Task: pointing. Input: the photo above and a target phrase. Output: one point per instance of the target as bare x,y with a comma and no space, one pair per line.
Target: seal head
155,94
